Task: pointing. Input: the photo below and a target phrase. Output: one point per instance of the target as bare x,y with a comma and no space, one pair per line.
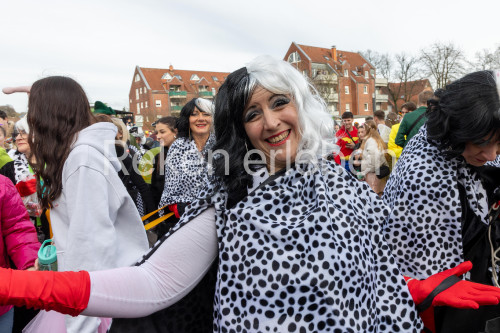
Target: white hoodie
95,222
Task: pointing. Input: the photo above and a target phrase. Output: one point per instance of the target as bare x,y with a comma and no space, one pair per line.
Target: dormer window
215,78
194,77
294,57
326,58
166,76
346,72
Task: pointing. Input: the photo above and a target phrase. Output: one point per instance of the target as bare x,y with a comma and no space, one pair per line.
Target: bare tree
407,74
382,62
443,63
485,60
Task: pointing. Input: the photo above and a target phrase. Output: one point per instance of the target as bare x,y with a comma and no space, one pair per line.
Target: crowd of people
390,227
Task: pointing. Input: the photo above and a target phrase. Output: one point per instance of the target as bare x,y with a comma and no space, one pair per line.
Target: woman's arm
174,269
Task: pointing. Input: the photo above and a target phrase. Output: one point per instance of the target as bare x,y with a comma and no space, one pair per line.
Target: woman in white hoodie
373,152
94,221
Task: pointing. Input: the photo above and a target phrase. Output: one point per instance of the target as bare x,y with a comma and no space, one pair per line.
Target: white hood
100,136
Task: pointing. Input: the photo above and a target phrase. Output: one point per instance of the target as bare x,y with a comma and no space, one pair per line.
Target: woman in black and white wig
445,189
296,239
186,169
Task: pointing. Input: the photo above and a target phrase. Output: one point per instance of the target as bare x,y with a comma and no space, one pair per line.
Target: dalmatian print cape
304,252
21,166
424,228
186,171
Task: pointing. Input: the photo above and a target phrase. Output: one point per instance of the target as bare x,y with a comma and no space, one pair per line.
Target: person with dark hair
186,169
383,129
94,221
166,128
296,239
347,138
445,191
412,122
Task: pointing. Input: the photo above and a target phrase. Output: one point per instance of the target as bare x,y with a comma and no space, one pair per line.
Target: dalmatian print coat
21,167
424,227
186,171
304,252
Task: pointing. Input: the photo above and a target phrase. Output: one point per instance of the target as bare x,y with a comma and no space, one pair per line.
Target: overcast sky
99,42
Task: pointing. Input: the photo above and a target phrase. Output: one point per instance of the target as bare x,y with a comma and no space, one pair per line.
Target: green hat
100,107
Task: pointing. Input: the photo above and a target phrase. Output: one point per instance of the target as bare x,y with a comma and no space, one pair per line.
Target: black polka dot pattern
424,227
305,253
185,171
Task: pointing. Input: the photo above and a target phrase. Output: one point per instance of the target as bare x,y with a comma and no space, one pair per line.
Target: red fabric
18,239
462,295
342,139
64,292
173,208
26,187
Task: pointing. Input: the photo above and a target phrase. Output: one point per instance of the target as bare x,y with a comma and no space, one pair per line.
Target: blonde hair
371,131
122,128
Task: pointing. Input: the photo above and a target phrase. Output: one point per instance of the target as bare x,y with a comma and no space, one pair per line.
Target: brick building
157,92
345,80
400,93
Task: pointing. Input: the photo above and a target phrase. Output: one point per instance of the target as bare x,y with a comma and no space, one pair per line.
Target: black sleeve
157,179
8,171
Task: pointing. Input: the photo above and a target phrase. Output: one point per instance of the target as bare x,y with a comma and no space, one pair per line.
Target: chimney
171,68
334,53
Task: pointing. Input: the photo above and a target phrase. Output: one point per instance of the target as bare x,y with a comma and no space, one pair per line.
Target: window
147,119
366,106
166,76
158,116
346,72
294,57
215,78
213,91
194,77
366,74
326,58
145,90
158,103
346,89
142,107
365,90
138,108
137,77
146,104
347,107
140,90
136,93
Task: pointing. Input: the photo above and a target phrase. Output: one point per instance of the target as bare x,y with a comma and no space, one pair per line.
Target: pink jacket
18,239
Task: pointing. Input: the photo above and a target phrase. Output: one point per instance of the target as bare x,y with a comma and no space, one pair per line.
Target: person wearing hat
186,170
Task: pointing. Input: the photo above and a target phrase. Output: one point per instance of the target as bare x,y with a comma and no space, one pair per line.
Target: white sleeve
173,270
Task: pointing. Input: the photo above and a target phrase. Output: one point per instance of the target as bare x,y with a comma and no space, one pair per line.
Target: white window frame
346,90
365,89
366,106
158,103
347,107
366,75
136,93
137,78
346,72
140,90
146,104
142,105
138,108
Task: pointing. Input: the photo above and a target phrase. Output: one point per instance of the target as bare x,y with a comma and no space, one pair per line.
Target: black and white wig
278,77
467,110
187,110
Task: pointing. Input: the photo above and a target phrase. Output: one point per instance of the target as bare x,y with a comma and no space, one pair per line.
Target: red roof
153,76
325,55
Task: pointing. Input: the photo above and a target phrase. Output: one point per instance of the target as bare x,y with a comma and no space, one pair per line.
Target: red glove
26,187
455,292
446,289
64,292
173,208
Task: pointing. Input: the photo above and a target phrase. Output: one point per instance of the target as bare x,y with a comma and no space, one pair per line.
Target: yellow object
391,145
158,220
